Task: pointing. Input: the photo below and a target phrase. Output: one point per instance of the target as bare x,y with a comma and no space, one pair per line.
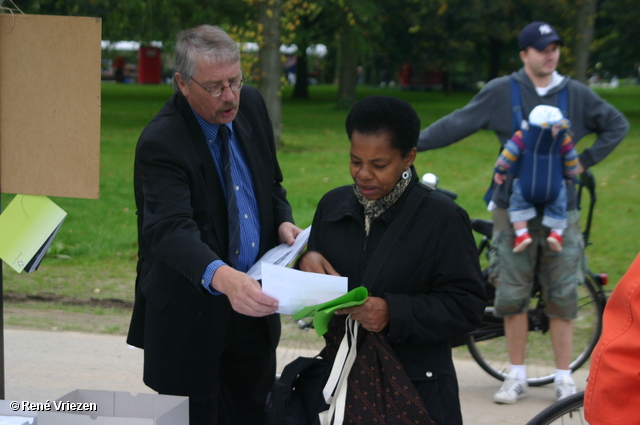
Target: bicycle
566,411
487,344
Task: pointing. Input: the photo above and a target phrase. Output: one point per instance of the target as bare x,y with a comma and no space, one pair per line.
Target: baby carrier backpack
540,167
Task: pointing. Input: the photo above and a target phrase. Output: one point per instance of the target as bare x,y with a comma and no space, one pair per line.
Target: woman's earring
406,174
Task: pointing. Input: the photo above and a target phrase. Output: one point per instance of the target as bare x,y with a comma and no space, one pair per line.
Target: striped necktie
232,205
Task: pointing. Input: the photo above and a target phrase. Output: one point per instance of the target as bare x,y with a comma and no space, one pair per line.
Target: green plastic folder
322,313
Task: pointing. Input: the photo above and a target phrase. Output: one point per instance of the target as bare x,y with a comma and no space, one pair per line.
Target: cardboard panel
50,105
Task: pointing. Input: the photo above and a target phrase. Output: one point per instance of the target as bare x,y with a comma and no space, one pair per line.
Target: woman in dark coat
429,288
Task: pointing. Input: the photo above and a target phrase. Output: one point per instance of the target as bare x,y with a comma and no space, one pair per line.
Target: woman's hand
313,261
373,315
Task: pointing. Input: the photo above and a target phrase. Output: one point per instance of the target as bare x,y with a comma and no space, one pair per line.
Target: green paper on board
27,227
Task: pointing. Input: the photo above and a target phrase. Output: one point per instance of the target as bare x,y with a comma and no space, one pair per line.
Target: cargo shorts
559,273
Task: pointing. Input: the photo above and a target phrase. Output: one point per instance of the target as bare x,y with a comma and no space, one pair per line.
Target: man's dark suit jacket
182,227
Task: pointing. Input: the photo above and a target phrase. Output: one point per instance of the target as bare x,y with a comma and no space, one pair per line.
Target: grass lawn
94,255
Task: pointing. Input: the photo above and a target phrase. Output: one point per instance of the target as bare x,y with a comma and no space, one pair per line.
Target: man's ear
523,54
182,84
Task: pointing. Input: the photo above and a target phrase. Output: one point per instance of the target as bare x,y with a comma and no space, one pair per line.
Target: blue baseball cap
538,35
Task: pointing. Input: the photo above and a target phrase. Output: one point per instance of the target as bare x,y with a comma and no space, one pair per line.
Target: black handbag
379,389
296,397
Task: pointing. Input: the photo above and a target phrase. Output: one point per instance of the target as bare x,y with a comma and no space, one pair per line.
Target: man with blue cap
500,106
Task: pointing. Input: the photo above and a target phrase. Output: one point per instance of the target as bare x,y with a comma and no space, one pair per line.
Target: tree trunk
448,74
269,62
347,69
495,55
301,89
584,35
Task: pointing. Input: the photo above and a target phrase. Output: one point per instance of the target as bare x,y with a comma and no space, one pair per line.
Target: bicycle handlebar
431,180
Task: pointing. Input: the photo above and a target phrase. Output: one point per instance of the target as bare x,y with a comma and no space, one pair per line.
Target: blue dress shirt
247,205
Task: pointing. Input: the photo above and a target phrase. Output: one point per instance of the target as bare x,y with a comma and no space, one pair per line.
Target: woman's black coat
431,281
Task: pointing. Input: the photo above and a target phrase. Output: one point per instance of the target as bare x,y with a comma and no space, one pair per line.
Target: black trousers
247,368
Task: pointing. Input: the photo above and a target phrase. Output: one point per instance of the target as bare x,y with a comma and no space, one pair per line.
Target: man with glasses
210,203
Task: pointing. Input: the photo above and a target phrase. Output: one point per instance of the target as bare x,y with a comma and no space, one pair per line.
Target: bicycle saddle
484,227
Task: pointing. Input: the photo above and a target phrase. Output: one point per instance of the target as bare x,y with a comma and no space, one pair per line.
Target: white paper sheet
281,255
295,289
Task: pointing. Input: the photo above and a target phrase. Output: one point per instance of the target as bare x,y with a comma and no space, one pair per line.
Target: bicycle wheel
488,344
567,411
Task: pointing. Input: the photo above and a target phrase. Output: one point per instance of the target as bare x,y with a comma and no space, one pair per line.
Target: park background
86,281
90,269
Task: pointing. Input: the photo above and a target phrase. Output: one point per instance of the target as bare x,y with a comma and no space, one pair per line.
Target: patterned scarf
373,208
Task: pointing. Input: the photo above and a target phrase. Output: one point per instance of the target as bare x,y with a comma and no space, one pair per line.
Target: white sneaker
512,389
565,387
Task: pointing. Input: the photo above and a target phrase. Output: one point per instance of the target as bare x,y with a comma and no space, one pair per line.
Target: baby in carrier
542,156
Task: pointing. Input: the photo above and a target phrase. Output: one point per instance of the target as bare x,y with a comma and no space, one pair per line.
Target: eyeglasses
218,89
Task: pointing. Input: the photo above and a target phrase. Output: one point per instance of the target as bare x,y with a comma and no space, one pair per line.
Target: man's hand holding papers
305,294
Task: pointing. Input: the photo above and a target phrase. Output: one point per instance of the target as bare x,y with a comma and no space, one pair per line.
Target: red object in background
405,75
118,62
118,68
149,65
434,78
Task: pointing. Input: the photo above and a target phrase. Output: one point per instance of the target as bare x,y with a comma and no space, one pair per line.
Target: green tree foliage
357,23
349,27
478,36
145,20
305,24
467,40
617,38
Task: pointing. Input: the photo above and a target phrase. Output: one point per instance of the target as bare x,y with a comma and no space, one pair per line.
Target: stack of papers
283,255
27,228
304,294
295,289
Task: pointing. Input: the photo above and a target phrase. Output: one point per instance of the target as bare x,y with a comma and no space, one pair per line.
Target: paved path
43,365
